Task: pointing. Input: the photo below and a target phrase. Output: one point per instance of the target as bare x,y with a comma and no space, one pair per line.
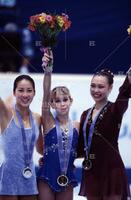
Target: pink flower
49,26
49,18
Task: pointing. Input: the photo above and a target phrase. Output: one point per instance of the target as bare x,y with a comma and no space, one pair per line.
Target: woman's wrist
47,61
47,69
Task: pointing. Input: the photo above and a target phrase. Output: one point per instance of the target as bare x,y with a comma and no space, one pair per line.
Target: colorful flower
49,26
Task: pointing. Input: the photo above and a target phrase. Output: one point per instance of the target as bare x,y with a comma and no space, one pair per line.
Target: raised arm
121,103
47,118
2,108
5,114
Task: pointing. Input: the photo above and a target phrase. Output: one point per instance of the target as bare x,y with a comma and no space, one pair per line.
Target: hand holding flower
47,60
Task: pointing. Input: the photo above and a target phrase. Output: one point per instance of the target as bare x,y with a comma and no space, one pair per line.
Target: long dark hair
20,78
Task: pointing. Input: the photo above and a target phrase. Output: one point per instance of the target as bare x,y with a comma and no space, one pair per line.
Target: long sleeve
121,103
80,147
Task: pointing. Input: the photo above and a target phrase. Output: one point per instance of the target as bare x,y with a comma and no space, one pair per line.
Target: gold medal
87,164
62,180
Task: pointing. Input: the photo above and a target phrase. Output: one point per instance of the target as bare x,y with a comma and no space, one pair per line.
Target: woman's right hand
47,60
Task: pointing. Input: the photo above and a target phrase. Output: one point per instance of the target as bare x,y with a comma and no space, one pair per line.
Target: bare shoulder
76,125
37,117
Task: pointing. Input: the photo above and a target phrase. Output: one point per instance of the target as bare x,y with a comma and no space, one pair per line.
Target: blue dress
50,170
12,181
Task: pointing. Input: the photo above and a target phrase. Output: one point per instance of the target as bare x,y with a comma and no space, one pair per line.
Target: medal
64,150
27,172
62,180
28,150
87,164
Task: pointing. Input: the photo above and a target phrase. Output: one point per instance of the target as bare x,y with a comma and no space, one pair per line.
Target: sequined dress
12,181
107,177
50,170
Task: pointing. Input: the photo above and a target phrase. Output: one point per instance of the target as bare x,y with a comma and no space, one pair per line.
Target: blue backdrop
98,28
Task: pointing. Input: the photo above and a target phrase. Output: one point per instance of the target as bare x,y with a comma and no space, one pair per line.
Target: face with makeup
100,88
24,91
61,100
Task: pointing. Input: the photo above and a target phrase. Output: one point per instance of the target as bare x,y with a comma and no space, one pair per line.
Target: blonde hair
60,90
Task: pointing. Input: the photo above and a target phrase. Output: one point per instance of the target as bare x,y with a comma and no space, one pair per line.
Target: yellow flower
129,30
60,21
48,26
42,19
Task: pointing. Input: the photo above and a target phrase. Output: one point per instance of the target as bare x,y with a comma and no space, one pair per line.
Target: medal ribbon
64,147
27,151
87,144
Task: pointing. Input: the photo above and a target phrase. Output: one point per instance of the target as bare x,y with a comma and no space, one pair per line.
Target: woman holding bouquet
56,175
104,176
19,132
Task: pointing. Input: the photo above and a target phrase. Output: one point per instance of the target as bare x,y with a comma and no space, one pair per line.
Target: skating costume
12,181
50,171
106,176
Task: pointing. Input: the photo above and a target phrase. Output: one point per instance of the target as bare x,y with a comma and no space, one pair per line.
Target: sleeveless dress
50,170
12,181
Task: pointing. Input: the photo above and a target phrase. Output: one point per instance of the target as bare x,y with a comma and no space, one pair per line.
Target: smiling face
100,88
24,93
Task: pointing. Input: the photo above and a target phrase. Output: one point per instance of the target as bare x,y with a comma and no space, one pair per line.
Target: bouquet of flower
49,26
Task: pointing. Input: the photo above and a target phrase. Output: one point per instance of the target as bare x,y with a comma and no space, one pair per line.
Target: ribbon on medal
87,163
27,171
64,149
